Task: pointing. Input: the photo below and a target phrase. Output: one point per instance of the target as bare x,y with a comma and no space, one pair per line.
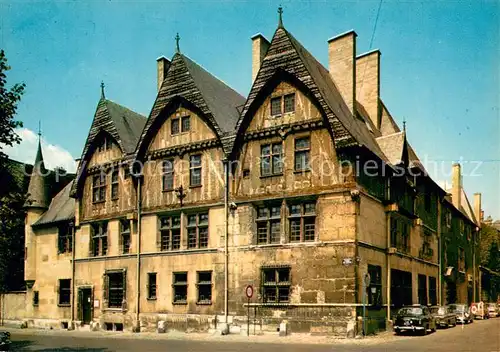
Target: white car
493,310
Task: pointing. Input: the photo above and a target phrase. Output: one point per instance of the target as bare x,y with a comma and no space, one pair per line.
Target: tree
12,195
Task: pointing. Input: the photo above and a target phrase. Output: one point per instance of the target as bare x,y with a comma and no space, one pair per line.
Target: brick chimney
477,208
456,185
342,66
259,50
368,84
162,65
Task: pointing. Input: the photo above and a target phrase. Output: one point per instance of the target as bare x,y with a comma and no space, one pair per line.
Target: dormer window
105,143
99,188
174,126
185,124
283,105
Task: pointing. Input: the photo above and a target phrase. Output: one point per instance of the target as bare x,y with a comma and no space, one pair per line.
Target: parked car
462,312
444,316
479,310
415,318
493,310
5,340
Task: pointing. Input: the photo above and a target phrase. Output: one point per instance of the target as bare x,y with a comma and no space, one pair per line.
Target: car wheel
397,332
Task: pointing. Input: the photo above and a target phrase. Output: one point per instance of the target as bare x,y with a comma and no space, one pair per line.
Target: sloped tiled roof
119,122
38,190
286,53
186,80
62,208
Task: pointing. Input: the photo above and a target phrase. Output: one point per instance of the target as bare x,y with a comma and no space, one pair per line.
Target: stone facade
161,232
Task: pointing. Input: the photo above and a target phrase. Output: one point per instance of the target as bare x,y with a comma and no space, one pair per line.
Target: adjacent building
306,189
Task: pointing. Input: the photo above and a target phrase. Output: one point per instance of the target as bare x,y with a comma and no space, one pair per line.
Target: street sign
249,291
347,261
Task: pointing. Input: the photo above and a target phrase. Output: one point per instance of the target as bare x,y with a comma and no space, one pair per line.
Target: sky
440,66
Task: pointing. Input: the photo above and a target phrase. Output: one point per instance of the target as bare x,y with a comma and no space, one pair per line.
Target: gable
199,130
105,149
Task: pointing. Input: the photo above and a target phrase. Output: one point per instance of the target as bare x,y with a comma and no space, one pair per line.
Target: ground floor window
422,289
204,287
36,298
180,285
401,288
64,291
375,289
115,288
152,286
275,284
432,290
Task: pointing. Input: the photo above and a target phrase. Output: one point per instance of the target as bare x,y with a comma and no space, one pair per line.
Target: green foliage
11,192
490,242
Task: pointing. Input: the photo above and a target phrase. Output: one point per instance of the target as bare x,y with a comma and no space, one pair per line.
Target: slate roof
38,190
287,54
62,208
123,124
187,81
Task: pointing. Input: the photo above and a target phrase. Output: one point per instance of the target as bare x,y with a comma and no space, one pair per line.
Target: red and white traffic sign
249,291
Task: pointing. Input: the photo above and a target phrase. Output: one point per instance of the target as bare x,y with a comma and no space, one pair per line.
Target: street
481,336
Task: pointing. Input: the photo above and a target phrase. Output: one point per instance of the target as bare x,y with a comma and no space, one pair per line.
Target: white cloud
53,155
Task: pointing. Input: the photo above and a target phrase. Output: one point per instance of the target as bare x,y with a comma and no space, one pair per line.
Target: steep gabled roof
62,208
123,124
285,53
187,81
38,190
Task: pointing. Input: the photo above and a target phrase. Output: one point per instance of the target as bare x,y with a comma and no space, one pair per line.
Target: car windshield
438,310
455,308
410,311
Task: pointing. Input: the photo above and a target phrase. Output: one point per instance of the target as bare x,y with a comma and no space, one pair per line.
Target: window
289,104
64,291
197,230
271,162
168,175
105,143
426,251
114,185
204,287
462,227
427,202
374,293
302,151
152,286
461,259
432,291
99,188
186,124
114,288
170,233
468,232
400,234
302,219
268,224
422,289
195,170
125,236
174,126
276,285
36,298
401,288
65,238
448,218
276,106
99,242
180,288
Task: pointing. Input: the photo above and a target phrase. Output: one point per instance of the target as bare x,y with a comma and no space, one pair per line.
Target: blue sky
440,64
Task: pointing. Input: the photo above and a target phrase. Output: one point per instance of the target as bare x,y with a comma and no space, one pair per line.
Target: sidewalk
298,338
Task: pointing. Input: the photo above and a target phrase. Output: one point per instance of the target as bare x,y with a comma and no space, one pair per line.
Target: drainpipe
440,255
138,269
226,230
388,256
73,269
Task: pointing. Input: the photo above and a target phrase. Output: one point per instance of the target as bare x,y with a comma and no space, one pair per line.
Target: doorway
85,305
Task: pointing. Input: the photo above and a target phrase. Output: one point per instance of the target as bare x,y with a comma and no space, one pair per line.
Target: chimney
342,66
162,64
477,208
368,84
259,50
456,185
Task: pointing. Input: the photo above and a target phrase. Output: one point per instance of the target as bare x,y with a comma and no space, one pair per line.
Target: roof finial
177,38
39,129
102,90
404,124
280,14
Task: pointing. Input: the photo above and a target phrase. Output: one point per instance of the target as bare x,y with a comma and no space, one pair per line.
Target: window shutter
105,293
124,302
79,305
